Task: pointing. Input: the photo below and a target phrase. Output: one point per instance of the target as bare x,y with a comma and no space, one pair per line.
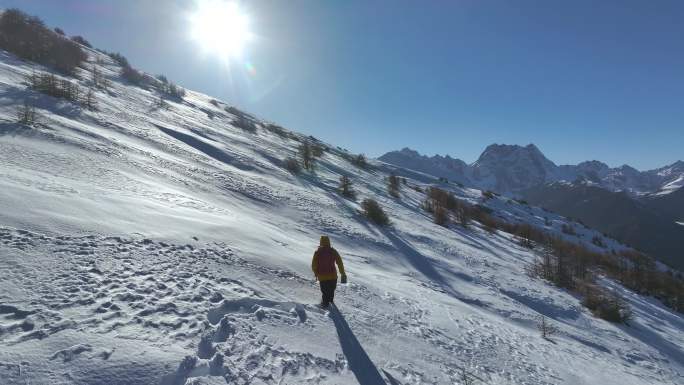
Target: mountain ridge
511,169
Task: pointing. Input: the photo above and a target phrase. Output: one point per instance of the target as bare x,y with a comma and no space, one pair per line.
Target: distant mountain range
512,169
644,209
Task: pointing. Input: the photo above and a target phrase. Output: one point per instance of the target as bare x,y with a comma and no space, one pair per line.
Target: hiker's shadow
360,364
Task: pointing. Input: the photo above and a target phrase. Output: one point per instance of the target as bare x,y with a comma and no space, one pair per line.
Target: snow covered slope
149,245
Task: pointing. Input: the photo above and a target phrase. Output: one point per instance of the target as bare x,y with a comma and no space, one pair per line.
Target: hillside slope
617,214
148,244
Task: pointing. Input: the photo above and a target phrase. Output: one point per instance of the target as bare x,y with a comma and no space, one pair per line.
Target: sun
220,28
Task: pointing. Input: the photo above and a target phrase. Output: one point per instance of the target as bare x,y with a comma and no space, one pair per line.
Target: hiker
323,266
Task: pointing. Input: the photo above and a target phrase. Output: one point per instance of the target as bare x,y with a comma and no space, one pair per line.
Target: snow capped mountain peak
675,168
507,168
442,166
594,165
409,152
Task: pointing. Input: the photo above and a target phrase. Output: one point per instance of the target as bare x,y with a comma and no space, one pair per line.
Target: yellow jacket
324,260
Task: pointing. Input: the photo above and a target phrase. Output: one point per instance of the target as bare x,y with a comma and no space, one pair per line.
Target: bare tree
545,328
360,161
26,114
393,185
346,188
306,155
441,215
90,101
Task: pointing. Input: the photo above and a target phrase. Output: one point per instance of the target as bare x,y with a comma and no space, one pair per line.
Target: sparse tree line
160,83
574,266
169,88
54,86
308,153
306,157
567,264
28,37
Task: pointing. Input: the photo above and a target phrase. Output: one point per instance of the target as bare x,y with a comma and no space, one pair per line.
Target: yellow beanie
325,241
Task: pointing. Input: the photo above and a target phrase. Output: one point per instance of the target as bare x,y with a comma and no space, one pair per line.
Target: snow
672,186
152,246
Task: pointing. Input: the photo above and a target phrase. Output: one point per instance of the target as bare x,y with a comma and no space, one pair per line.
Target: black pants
328,291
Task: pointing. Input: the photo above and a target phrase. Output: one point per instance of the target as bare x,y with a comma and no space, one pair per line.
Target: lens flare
251,70
220,28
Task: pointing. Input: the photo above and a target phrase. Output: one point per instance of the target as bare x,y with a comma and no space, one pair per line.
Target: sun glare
220,28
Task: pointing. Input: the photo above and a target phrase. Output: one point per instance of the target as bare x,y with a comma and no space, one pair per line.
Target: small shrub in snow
234,111
244,124
439,197
276,129
373,211
490,224
441,216
487,194
132,75
59,31
119,59
463,215
292,165
545,328
82,41
606,305
598,241
26,114
360,161
524,235
89,101
98,80
345,188
393,185
317,150
161,103
169,88
305,151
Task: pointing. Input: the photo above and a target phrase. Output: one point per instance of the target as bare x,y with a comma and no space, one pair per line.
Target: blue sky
581,79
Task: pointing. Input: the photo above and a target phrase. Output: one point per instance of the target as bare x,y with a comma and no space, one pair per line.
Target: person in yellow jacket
323,266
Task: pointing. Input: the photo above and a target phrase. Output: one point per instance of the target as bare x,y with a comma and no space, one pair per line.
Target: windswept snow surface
141,245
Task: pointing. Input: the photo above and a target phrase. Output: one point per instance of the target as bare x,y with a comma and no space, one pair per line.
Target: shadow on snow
359,363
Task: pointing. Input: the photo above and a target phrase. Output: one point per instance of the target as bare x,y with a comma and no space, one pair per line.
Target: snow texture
146,245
